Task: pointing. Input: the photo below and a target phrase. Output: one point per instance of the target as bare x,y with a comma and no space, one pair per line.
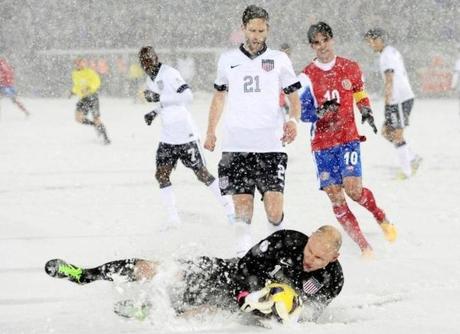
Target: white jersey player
179,137
398,99
254,129
455,77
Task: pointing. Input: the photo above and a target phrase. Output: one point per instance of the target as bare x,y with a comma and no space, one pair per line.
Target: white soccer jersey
252,120
177,123
391,59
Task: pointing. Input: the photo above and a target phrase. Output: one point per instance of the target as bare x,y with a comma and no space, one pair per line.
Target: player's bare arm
290,127
388,90
215,112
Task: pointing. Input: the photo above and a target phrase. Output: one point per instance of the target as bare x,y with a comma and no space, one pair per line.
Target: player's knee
354,193
163,179
276,220
204,176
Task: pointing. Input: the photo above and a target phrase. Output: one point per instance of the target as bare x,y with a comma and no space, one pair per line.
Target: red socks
350,225
368,201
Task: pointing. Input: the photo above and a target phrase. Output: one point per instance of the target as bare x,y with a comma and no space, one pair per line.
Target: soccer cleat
389,231
60,269
367,254
401,176
415,164
132,310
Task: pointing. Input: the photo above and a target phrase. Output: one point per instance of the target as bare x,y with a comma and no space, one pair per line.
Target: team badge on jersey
160,84
264,246
346,84
311,286
268,64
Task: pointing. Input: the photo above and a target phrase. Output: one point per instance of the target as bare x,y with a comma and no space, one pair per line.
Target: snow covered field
63,194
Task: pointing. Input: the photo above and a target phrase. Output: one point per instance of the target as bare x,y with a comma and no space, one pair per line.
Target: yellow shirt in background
85,82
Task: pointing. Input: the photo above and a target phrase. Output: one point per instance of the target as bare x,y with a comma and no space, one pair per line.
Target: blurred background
40,39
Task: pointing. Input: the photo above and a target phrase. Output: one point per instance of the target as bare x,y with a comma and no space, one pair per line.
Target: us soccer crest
268,64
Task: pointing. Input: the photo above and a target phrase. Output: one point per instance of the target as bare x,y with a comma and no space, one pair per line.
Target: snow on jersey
341,79
177,123
253,121
391,59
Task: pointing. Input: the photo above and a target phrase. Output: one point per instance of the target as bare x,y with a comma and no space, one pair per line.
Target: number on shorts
351,158
192,153
281,172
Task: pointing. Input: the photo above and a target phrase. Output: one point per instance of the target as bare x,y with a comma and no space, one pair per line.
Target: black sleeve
220,88
182,88
254,268
292,88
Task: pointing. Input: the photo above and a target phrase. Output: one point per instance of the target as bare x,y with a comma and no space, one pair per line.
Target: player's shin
349,223
367,200
243,236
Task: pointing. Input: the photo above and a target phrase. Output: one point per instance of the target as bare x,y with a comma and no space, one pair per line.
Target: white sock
411,155
169,203
404,161
225,200
243,237
272,228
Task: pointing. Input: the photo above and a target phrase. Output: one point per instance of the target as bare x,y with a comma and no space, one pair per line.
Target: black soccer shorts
242,173
188,153
397,115
88,104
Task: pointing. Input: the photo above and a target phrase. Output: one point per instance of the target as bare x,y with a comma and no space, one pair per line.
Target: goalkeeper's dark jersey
279,258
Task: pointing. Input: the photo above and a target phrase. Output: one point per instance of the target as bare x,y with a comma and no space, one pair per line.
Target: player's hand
210,142
149,117
367,116
329,105
258,300
151,96
289,131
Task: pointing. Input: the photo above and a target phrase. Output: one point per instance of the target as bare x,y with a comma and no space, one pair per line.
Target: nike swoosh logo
233,66
282,261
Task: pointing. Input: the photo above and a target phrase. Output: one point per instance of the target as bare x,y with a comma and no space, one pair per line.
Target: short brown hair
254,12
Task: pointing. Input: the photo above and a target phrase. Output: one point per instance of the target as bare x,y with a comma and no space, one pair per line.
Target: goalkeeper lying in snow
280,276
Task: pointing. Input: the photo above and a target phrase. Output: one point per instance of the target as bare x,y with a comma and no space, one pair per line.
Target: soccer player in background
179,136
330,86
248,83
398,100
455,78
86,84
286,269
7,84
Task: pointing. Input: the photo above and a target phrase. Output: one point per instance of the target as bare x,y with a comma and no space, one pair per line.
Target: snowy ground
62,194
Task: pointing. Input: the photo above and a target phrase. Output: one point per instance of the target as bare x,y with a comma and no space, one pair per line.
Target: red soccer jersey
6,74
340,82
